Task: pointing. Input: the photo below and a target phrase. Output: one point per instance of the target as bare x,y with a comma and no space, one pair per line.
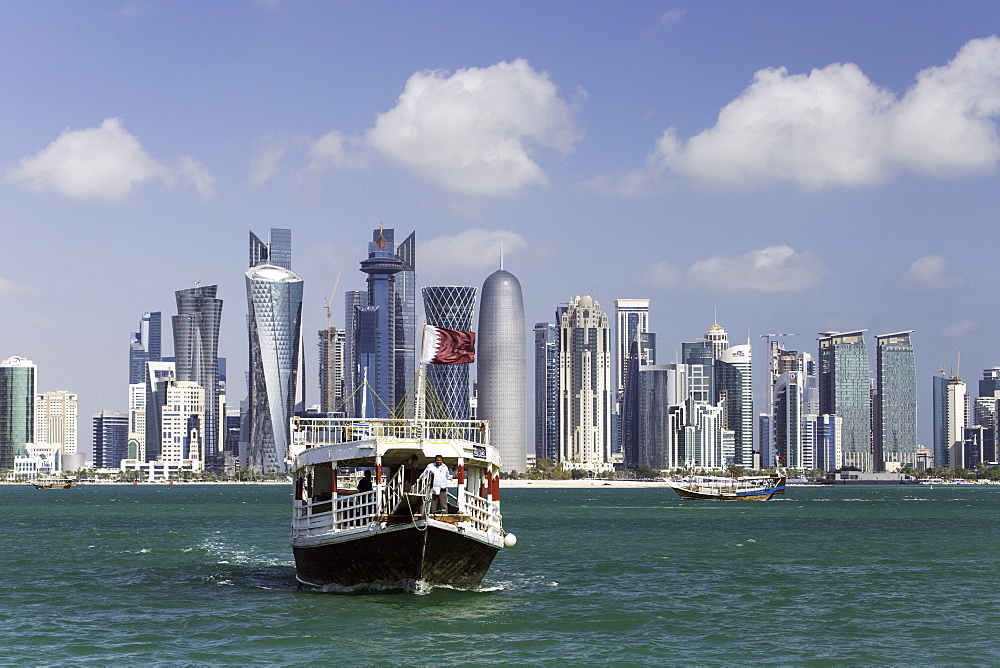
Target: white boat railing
359,510
481,511
315,432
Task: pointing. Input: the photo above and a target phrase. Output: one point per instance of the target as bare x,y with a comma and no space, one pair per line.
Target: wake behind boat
730,489
388,536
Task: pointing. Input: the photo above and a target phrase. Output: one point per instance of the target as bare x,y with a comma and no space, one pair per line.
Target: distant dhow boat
53,483
721,488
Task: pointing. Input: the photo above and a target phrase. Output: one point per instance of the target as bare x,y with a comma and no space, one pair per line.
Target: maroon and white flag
448,346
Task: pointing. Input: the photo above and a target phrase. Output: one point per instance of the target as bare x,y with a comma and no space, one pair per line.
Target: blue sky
799,167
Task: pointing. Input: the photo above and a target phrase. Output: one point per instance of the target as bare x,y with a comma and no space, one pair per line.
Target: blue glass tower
144,347
17,408
450,306
196,354
844,390
546,391
110,436
379,348
894,414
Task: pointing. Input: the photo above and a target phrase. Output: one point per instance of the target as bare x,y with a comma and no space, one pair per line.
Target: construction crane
328,303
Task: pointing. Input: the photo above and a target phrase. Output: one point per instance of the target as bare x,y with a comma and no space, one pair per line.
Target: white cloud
190,170
770,269
958,329
8,288
673,16
834,127
930,272
471,249
475,131
102,164
660,274
335,149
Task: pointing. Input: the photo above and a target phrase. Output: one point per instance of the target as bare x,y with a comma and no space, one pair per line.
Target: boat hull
396,557
763,495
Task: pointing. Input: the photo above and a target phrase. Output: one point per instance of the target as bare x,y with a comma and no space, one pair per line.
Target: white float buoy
510,540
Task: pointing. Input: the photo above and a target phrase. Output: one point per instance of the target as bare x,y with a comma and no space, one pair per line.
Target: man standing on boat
439,475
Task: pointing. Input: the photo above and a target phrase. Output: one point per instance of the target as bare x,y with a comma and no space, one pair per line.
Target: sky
780,167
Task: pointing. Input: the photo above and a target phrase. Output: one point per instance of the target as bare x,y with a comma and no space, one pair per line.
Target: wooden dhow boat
53,483
721,488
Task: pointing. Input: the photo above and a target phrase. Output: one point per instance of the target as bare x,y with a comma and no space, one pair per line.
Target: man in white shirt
439,475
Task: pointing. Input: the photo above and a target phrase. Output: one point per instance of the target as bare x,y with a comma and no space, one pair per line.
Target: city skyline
614,164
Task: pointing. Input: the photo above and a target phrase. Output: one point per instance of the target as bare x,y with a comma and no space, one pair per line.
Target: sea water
203,574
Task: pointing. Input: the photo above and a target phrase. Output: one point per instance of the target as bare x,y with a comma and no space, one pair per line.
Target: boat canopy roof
356,442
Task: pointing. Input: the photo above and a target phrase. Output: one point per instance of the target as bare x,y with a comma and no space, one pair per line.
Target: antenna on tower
501,253
958,365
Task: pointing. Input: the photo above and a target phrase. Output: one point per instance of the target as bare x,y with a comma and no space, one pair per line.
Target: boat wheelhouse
344,538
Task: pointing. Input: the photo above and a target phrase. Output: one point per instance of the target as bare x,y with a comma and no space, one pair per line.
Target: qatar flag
448,346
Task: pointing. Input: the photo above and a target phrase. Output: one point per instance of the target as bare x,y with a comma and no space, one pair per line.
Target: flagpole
418,409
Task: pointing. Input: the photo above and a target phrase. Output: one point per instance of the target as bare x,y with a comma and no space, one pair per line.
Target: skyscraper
144,346
404,360
380,352
894,411
585,386
956,419
158,376
277,251
734,392
56,418
274,298
631,318
501,367
352,300
331,369
110,438
546,391
452,307
786,422
196,354
845,390
17,408
939,405
717,338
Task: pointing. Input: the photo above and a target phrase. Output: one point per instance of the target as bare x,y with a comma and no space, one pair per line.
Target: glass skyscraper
452,307
404,362
17,408
845,391
144,347
894,411
734,391
352,300
631,317
546,391
501,368
379,363
110,438
196,355
274,295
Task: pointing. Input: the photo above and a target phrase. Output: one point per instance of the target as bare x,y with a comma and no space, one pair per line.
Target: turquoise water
203,575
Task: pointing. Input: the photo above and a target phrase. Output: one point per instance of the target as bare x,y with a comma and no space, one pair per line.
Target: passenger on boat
365,484
440,475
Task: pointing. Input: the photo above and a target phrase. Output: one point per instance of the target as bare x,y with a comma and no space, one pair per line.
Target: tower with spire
501,366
